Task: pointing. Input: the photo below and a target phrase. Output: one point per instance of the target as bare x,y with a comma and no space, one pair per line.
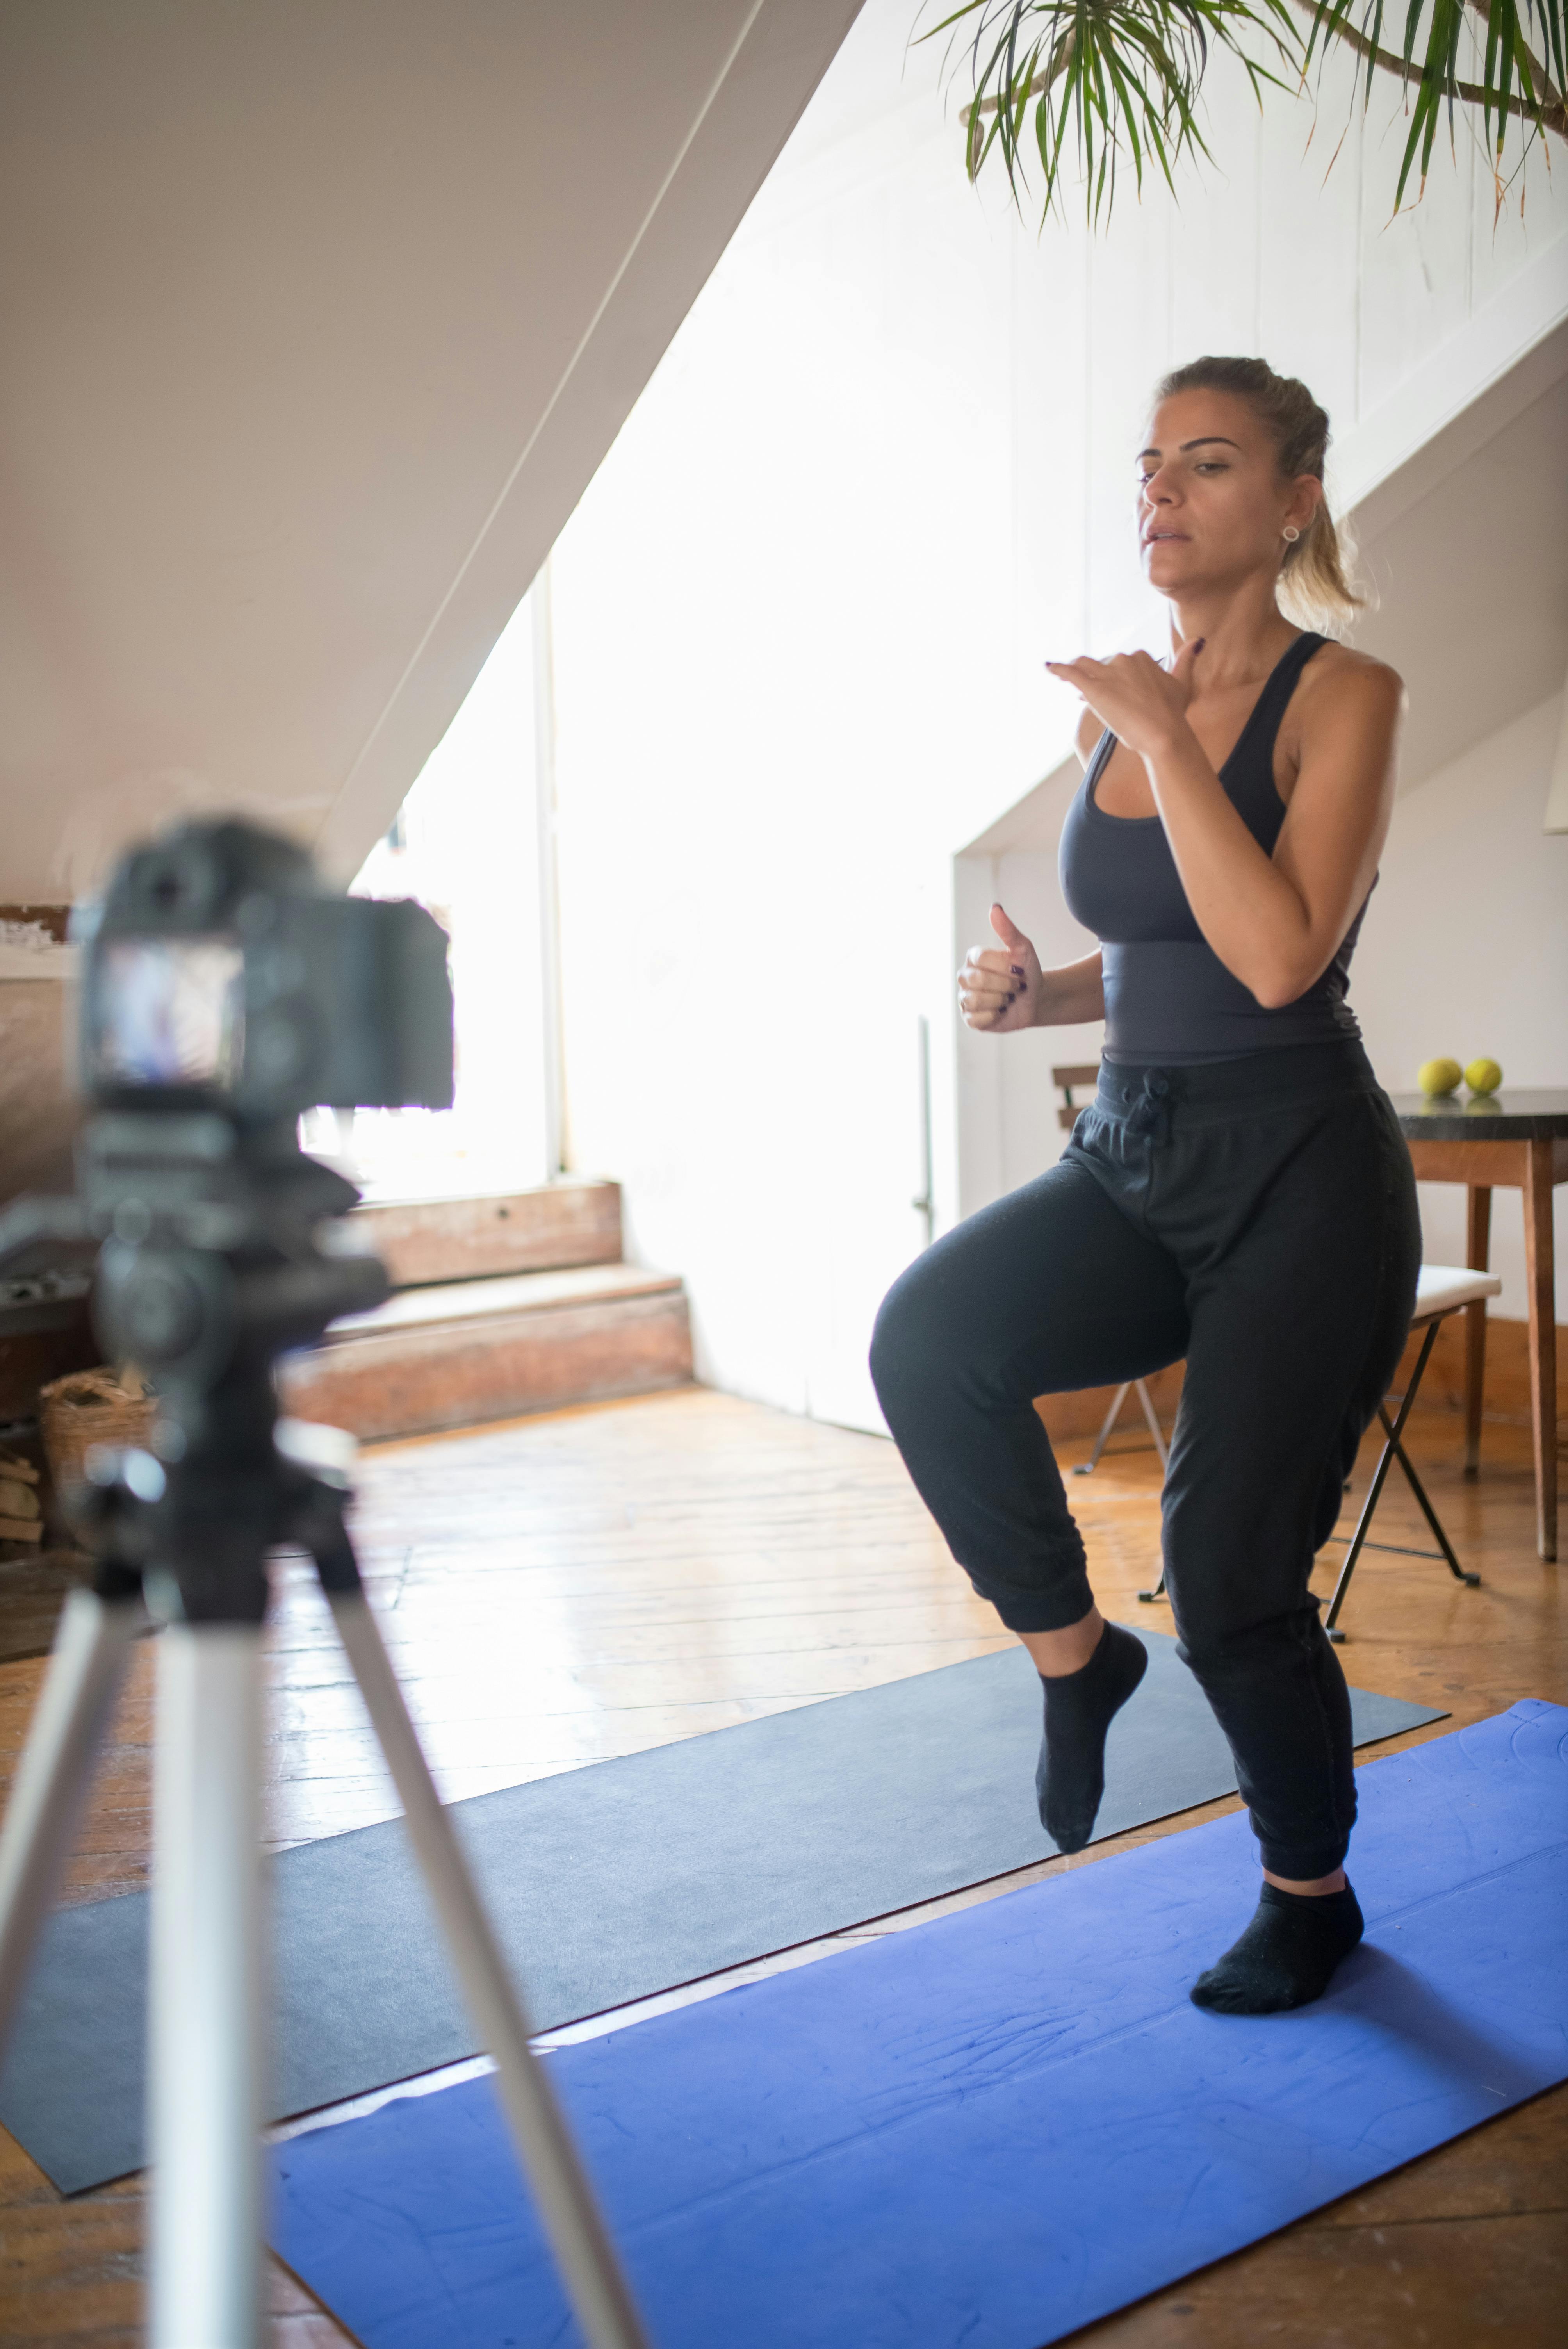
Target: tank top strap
1263,723
1096,763
1248,772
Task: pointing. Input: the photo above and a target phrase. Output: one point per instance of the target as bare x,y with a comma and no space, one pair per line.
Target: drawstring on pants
1151,1112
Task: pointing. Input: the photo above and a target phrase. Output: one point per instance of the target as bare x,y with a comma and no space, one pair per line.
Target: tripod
185,1538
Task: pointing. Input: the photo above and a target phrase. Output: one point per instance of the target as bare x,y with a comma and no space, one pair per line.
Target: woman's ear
1305,504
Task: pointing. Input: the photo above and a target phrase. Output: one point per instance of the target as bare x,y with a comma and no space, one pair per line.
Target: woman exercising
1239,1194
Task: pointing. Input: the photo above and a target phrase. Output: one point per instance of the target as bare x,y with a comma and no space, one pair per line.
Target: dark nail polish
1016,969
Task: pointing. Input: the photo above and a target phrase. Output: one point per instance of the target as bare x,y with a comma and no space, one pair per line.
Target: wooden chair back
1086,1072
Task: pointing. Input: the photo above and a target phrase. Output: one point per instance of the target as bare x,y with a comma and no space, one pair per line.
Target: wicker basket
21,1517
85,1407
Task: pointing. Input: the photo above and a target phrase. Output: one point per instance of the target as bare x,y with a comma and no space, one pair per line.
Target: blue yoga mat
992,2129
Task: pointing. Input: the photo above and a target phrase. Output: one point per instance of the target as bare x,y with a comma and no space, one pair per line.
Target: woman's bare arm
1275,923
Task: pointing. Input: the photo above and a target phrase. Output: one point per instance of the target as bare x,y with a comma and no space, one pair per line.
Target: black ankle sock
1069,1778
1286,1955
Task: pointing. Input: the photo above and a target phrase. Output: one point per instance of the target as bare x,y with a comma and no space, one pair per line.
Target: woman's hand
1143,705
999,988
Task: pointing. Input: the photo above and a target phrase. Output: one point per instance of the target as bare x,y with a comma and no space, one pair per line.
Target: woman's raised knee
912,1350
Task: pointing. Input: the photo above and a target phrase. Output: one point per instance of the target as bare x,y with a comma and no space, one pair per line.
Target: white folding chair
1440,1289
1087,1468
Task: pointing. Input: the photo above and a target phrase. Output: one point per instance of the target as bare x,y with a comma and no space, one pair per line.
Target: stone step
458,1353
574,1220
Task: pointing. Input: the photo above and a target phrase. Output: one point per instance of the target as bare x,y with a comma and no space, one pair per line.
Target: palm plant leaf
1095,80
1517,84
1099,80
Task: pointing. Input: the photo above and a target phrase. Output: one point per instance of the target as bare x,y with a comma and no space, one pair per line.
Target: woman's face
1211,504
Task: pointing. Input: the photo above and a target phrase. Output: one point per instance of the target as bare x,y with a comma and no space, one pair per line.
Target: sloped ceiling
1467,549
319,316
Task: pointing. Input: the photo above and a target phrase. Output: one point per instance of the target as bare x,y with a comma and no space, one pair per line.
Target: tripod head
226,991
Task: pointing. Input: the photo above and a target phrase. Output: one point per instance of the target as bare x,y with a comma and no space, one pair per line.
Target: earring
1291,531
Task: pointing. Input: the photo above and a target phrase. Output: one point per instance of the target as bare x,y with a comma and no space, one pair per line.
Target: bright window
465,843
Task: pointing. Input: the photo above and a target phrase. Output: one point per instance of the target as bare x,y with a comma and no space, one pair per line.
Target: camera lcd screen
168,1011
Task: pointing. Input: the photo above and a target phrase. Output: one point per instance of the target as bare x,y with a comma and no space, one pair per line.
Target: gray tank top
1167,996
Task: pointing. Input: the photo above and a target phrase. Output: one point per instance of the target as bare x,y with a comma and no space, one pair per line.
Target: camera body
225,991
220,974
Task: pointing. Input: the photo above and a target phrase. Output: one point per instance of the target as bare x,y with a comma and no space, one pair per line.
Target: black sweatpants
1258,1217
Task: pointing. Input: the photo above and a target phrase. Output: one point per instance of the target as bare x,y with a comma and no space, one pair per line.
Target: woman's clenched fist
999,987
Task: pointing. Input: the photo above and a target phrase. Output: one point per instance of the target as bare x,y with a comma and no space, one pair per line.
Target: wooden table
1519,1140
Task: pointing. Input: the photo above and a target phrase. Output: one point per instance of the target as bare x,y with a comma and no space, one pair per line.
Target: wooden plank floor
602,1580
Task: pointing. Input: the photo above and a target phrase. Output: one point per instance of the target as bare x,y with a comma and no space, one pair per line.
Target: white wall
883,471
1464,952
467,846
773,613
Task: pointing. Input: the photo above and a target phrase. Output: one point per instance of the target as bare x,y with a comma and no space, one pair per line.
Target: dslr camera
224,991
220,974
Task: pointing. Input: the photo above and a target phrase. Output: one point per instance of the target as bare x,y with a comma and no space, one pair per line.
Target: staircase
501,1306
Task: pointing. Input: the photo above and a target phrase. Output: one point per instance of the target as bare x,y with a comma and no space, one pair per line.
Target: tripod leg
204,2091
562,2193
85,1672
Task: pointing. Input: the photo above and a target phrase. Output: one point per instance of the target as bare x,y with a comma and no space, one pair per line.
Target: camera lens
184,881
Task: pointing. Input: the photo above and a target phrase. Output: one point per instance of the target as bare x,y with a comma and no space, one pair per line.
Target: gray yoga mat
612,1881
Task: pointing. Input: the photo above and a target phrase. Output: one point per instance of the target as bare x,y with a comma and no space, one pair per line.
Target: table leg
1539,1280
1477,1237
